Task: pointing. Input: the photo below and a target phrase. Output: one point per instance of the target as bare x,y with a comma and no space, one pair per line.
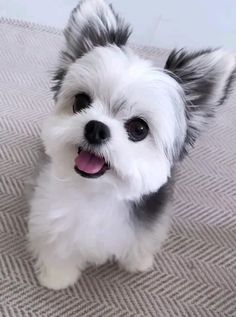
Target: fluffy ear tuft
206,77
92,23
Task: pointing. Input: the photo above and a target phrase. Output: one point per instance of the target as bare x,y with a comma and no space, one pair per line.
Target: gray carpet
194,275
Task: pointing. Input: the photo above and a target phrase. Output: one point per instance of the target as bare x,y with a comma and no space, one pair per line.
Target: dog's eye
137,129
81,101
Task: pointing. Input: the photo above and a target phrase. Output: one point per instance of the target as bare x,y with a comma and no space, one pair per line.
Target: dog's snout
96,132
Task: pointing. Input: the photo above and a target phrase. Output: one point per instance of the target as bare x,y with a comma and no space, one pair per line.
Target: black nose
96,132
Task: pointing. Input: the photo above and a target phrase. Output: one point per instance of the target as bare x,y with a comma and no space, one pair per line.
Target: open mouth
89,165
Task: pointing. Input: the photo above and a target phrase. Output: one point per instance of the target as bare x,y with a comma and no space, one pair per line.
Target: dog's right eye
81,102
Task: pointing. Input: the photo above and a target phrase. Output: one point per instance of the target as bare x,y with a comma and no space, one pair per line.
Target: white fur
74,220
73,223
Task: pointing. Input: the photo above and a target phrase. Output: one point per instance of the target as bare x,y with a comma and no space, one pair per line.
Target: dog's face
125,118
118,119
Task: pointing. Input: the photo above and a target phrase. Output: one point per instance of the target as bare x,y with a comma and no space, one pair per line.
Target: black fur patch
58,79
178,64
199,88
180,58
151,206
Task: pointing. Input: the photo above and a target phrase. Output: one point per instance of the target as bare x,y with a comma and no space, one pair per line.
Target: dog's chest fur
93,223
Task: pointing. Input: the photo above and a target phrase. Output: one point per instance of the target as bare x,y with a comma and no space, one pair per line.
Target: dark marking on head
83,36
118,106
206,81
179,63
57,80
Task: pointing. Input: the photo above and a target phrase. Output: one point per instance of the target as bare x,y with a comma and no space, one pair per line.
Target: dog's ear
92,23
206,78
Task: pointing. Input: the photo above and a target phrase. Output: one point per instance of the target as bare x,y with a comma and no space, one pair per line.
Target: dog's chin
90,165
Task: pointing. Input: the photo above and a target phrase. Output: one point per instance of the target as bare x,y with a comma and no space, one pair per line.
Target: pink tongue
89,163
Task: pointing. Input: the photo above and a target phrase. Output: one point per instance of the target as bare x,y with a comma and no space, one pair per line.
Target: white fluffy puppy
118,128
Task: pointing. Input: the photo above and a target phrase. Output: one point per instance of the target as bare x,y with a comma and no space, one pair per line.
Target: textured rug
194,275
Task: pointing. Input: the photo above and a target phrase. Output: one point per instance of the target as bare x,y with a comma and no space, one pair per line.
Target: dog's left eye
81,102
137,129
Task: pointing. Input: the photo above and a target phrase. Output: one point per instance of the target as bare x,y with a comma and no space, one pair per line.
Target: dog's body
119,127
79,229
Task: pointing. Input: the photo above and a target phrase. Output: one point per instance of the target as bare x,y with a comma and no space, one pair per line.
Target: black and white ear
206,78
92,23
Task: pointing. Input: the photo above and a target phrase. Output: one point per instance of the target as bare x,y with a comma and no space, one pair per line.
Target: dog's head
118,119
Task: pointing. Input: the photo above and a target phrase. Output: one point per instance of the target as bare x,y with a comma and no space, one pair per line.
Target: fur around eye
81,102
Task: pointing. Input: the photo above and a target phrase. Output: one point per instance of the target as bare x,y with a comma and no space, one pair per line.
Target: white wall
194,23
163,23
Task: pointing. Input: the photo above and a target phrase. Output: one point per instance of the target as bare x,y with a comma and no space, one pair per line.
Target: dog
119,127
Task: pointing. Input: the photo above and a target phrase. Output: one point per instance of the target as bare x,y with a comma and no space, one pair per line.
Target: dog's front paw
138,265
57,278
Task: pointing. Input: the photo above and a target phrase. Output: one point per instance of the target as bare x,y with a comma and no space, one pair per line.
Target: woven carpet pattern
194,275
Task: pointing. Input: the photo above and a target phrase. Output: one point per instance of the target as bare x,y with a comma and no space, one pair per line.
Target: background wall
163,23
